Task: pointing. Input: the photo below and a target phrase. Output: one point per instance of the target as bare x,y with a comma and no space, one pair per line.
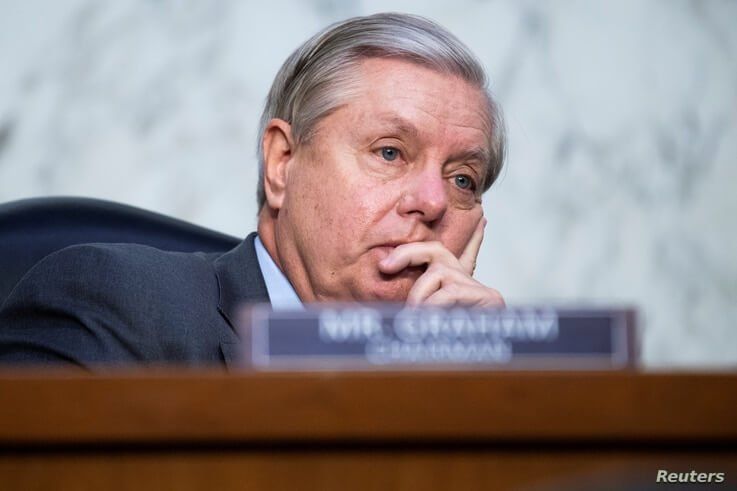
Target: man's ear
278,150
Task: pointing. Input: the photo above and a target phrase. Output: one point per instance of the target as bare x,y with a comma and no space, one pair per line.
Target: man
376,143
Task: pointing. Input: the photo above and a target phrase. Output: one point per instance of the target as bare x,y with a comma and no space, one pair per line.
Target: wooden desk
462,430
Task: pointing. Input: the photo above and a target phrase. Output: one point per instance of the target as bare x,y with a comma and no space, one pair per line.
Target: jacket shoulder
125,271
111,302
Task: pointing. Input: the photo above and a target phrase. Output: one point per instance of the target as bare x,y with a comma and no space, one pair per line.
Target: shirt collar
281,292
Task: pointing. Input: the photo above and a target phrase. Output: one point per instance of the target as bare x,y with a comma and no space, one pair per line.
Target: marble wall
622,119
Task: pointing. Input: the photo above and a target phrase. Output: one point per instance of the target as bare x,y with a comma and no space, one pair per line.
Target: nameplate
359,336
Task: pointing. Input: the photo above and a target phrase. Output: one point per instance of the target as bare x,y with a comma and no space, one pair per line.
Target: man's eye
389,153
464,182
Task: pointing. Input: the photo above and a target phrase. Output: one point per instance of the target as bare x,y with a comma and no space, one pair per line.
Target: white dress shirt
281,292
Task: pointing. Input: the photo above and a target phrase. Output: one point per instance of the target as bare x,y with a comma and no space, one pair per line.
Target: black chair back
31,229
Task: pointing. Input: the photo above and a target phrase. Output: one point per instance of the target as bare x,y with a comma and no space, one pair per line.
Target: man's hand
448,279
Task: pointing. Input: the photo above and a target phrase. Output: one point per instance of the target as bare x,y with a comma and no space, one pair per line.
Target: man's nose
426,196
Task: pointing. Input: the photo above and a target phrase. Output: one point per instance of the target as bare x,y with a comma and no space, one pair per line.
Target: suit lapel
232,353
239,282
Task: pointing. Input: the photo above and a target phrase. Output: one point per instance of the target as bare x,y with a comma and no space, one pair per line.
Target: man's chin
394,288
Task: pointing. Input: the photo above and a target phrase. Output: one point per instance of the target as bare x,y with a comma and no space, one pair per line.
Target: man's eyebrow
480,154
403,126
400,125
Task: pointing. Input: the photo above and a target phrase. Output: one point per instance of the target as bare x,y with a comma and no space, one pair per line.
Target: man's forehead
412,97
398,77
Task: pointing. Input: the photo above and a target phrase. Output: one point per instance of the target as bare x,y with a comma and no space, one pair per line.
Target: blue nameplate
361,336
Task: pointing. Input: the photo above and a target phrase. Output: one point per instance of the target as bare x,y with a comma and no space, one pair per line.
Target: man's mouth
389,246
384,250
410,272
393,243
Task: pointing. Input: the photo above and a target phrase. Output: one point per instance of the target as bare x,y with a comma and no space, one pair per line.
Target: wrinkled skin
383,202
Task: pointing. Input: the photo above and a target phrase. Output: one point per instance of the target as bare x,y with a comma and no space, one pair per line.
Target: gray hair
313,81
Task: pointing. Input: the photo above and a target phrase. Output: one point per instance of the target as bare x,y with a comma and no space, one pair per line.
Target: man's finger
471,252
435,278
441,298
469,295
426,285
414,254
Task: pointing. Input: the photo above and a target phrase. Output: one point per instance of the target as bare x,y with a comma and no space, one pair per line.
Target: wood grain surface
201,407
194,430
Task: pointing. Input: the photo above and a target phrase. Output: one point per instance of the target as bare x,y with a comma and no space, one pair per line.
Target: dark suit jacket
103,304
